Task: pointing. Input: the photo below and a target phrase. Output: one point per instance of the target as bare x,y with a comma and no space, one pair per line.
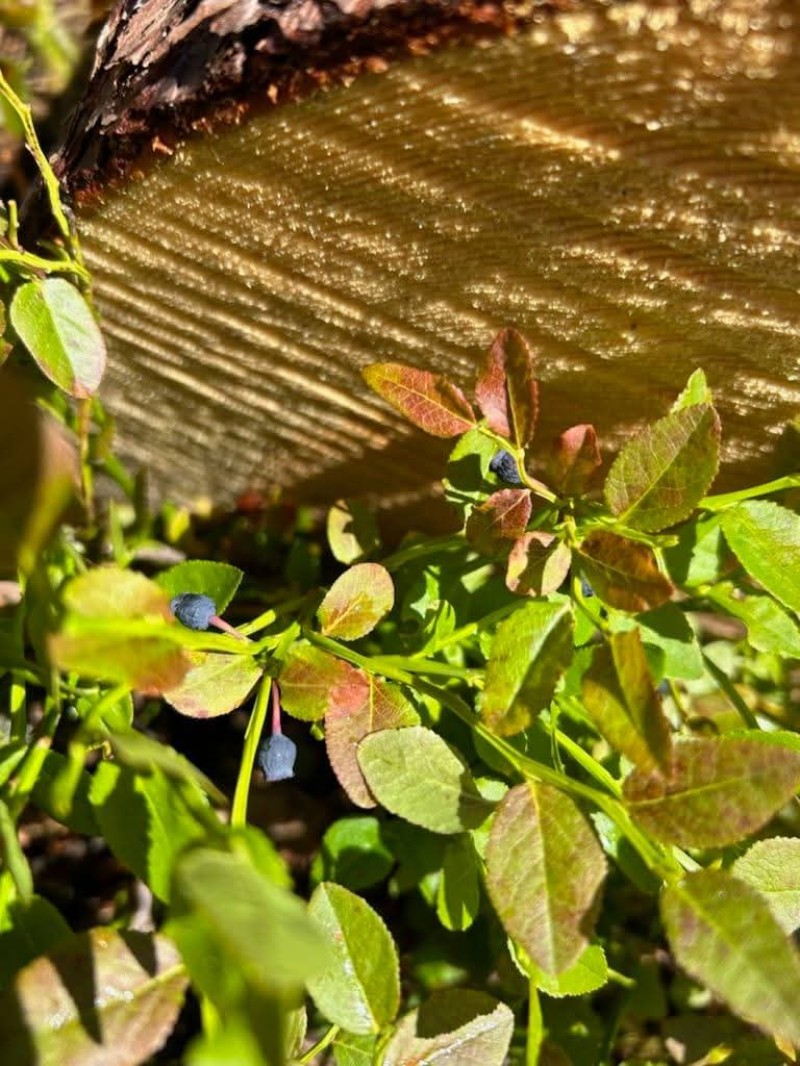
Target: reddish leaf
718,791
538,564
574,460
101,997
356,601
623,573
310,677
661,475
620,698
506,388
428,400
353,712
494,525
216,684
544,869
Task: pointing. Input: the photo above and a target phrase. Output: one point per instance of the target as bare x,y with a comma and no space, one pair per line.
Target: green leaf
538,564
144,754
574,459
360,988
530,652
700,555
220,581
506,388
428,400
661,475
623,573
355,711
772,867
145,820
495,524
232,1042
415,774
766,539
723,933
670,643
696,391
620,698
54,322
544,869
93,644
80,817
354,1049
353,853
458,896
37,477
468,480
352,530
356,602
453,1028
99,997
770,627
718,791
231,923
215,684
311,681
27,930
588,974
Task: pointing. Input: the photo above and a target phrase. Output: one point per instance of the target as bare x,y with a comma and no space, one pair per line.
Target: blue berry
586,588
193,609
504,466
276,757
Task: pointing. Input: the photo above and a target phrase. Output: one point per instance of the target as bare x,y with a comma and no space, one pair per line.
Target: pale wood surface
621,183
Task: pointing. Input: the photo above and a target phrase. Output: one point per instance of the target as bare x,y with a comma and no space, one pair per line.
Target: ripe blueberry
504,466
193,609
276,756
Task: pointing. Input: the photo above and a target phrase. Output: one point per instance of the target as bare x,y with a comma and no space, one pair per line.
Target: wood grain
622,183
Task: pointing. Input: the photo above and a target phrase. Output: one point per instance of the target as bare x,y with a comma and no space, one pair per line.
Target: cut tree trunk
621,182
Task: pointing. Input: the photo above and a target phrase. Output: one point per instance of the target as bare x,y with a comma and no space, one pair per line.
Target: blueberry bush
566,737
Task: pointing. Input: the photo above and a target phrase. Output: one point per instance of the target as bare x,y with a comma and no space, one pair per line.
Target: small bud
276,756
504,466
193,609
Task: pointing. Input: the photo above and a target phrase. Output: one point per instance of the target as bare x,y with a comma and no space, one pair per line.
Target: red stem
276,710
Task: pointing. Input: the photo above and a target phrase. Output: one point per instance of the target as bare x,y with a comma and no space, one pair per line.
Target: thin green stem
535,1036
729,689
33,762
271,615
255,727
324,1041
471,629
428,666
727,499
35,263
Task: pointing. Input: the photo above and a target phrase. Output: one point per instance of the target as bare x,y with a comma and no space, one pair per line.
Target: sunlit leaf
495,524
661,475
354,711
586,975
215,684
352,531
415,774
623,573
544,869
54,322
574,460
770,627
530,652
458,1027
353,853
28,929
428,400
220,581
766,539
724,934
695,391
506,388
773,868
311,679
538,564
359,989
227,915
718,791
356,601
620,698
100,997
